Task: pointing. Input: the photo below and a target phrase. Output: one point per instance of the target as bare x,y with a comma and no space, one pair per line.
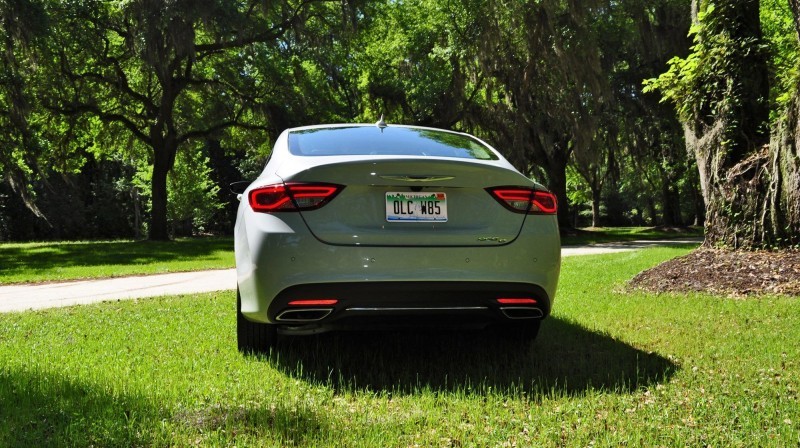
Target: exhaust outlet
304,315
522,312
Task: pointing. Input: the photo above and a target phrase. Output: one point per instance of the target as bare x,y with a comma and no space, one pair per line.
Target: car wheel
253,337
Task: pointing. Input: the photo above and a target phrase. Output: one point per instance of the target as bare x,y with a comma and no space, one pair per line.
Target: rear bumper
386,304
376,283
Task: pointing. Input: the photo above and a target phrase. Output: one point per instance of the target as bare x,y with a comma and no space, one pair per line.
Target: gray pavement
51,295
608,248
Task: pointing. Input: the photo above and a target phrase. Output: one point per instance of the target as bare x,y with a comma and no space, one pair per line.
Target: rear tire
253,337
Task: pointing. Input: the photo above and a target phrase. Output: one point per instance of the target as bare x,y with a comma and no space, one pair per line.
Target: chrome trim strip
416,178
536,313
447,308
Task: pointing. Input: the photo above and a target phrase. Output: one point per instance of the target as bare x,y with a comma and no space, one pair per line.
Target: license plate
416,207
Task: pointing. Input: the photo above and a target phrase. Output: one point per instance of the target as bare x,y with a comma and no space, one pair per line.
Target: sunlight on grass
61,261
595,235
610,368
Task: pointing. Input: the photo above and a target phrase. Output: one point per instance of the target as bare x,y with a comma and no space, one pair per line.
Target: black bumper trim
363,304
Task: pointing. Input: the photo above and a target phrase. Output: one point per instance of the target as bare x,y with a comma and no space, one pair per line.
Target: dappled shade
565,359
47,410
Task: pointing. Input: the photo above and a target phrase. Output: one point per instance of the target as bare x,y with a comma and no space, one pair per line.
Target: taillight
525,200
314,302
292,197
516,301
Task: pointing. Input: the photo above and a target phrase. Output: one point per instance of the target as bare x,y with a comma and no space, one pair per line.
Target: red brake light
525,200
292,197
314,302
544,202
516,301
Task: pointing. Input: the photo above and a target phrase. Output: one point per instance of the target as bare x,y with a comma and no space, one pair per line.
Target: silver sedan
375,226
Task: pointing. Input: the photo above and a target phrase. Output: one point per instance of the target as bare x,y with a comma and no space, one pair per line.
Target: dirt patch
735,273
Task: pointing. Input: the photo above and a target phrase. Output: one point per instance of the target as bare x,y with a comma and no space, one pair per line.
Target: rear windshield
390,141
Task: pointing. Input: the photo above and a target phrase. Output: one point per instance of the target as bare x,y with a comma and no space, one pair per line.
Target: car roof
352,125
283,160
471,146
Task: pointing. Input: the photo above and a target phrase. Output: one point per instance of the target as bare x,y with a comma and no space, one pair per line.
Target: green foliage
778,26
547,83
720,77
137,81
579,194
192,195
412,63
25,150
156,78
730,92
684,84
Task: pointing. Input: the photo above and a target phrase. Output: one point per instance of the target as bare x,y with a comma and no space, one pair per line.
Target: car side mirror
239,187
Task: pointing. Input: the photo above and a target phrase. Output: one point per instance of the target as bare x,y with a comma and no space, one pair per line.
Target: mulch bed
734,273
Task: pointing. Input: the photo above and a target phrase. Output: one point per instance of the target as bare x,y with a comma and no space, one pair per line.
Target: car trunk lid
394,202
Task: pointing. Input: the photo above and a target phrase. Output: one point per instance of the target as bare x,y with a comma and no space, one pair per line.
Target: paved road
52,295
607,248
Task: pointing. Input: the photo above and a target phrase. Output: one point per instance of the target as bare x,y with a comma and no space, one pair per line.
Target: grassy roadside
60,261
597,235
610,368
54,261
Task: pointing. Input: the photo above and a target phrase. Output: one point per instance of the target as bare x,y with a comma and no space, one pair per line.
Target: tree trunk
615,210
697,203
667,213
671,203
164,150
783,175
137,214
786,163
729,148
794,5
557,183
574,214
651,210
595,207
158,212
164,141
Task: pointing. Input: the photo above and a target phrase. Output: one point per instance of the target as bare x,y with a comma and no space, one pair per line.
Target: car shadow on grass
44,410
565,359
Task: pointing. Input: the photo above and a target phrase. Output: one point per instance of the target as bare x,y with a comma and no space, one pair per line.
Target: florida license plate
416,207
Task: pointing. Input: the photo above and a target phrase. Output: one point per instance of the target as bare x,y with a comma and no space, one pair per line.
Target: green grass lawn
594,235
61,261
38,262
609,368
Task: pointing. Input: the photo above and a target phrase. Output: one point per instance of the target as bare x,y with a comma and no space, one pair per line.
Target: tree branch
200,133
794,5
78,109
230,88
121,82
271,33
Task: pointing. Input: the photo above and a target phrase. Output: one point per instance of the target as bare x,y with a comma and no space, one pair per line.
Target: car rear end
360,226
